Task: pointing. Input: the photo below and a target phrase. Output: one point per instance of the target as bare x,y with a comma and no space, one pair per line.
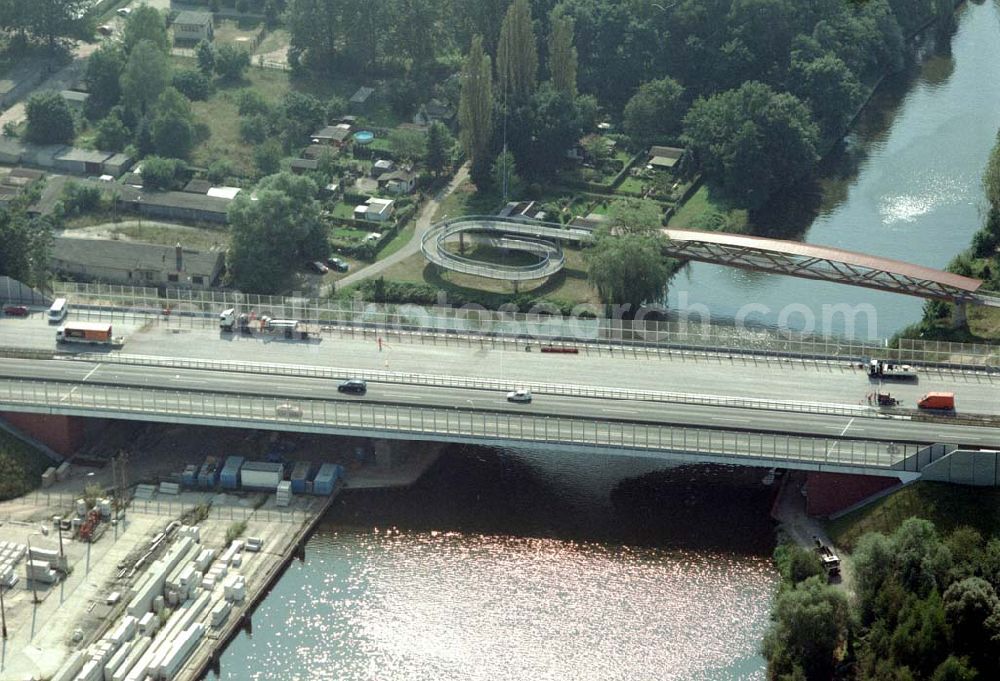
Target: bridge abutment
959,316
62,434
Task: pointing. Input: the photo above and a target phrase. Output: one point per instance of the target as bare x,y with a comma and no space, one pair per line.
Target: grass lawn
343,210
402,238
631,185
570,285
492,254
466,200
227,32
21,467
947,506
349,233
275,40
703,211
191,237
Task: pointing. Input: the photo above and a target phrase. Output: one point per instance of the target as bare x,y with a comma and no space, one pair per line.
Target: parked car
105,29
318,267
521,396
337,264
355,386
15,310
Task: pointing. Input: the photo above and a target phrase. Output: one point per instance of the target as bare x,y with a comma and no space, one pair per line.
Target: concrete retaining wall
966,467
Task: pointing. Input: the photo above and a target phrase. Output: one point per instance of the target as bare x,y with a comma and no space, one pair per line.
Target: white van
58,311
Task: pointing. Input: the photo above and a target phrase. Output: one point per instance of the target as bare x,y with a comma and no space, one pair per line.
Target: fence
539,325
464,382
436,423
13,291
173,507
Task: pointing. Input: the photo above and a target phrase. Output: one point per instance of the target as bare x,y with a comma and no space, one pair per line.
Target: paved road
720,374
424,222
78,372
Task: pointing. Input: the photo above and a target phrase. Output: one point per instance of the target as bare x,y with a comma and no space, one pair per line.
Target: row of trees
46,21
755,87
926,607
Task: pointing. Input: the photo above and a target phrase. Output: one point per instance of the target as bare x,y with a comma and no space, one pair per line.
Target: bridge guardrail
107,299
462,425
463,382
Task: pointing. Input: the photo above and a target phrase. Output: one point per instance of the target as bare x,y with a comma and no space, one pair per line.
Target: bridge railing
191,307
466,425
478,383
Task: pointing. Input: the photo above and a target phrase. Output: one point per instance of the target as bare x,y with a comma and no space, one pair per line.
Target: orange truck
944,401
95,333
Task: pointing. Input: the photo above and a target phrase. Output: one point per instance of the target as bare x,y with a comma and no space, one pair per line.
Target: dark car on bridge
354,386
15,310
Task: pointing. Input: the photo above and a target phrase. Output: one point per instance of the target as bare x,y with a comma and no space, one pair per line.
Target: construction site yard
89,601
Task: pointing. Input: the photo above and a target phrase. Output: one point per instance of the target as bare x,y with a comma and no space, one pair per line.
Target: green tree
991,177
408,145
111,133
220,170
25,247
972,609
752,141
267,157
955,669
103,75
49,119
231,62
303,115
160,173
625,262
654,114
831,90
79,199
562,54
145,23
475,110
809,622
517,54
439,144
505,177
52,20
274,233
796,563
629,216
205,54
192,84
172,126
146,76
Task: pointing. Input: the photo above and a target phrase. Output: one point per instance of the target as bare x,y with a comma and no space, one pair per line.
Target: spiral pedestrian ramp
540,239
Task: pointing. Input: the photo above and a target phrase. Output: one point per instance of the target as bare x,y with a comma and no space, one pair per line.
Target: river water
907,185
531,565
527,565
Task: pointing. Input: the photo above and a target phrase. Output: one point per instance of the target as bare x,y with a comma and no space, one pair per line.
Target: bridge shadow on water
615,500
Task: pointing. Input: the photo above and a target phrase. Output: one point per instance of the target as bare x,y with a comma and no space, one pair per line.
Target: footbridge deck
776,256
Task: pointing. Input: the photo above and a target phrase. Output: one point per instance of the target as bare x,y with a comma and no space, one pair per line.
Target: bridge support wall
62,434
959,316
829,493
966,467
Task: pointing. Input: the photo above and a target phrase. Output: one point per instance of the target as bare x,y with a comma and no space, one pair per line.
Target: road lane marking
846,427
737,419
91,373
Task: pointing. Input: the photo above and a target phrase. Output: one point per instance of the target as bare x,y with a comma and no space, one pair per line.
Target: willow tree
475,109
562,54
517,55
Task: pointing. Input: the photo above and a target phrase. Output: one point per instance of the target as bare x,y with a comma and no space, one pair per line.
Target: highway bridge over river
695,406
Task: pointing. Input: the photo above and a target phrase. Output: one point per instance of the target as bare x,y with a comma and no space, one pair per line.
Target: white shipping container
148,624
71,667
220,612
265,479
204,559
92,671
116,661
181,650
138,650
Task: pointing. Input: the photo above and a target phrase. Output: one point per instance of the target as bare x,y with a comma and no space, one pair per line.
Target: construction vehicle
880,368
90,523
886,400
939,401
228,320
93,333
829,559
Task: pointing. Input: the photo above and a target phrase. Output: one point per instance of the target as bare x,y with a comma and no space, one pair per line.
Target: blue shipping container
299,477
230,478
326,478
190,476
209,475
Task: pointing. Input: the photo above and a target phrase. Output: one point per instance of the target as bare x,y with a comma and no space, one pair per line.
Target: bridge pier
62,434
959,316
461,243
